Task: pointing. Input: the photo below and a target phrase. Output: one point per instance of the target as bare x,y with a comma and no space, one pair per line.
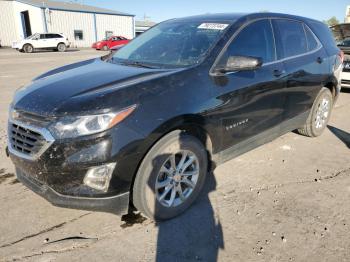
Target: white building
142,26
81,24
347,14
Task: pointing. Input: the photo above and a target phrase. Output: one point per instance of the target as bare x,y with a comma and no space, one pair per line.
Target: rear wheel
319,115
171,176
61,47
27,48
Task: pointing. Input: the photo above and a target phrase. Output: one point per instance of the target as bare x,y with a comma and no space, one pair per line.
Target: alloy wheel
177,178
322,113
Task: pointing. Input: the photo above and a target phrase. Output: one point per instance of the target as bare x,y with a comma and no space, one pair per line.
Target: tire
61,47
320,114
105,48
27,48
149,200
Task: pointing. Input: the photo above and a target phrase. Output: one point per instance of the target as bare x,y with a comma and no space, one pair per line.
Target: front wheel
319,115
105,48
171,176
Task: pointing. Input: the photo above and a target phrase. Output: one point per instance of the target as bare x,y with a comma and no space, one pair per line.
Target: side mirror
241,63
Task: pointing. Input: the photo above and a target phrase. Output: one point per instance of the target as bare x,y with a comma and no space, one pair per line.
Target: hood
90,85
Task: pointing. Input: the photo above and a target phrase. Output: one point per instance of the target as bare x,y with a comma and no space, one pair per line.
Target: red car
112,41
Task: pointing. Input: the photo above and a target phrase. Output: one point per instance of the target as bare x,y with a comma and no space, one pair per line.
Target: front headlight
74,126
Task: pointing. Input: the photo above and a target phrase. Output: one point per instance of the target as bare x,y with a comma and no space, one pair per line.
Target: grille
25,140
346,67
345,82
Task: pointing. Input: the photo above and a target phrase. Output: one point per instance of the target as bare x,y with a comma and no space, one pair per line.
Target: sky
159,10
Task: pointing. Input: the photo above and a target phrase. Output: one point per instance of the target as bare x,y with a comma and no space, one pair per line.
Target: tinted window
255,40
312,43
291,39
53,36
43,36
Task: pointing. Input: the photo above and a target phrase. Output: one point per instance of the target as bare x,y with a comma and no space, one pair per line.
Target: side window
312,43
57,36
43,36
51,36
290,38
254,40
78,35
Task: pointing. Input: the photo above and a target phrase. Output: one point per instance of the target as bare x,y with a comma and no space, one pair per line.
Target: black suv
141,127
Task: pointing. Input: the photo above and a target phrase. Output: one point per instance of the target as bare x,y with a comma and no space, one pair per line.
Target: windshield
172,44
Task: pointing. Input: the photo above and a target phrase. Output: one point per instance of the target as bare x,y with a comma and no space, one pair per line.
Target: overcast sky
158,10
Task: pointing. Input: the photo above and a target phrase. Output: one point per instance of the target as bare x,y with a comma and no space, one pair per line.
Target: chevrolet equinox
140,128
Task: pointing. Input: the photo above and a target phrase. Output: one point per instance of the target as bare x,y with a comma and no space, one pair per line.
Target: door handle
319,60
278,73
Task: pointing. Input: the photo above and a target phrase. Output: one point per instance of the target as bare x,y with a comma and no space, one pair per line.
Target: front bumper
57,173
118,204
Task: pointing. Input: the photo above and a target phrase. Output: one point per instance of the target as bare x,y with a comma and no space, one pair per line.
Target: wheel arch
332,84
189,124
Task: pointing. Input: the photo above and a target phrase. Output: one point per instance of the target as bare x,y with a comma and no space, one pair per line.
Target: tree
332,21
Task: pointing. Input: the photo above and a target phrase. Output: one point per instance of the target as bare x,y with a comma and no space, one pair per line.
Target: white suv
57,42
345,75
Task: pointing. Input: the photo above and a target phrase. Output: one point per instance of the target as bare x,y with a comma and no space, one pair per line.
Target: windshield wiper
138,64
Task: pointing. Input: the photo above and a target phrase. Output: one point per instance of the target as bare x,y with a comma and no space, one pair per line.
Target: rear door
40,41
251,102
53,40
305,65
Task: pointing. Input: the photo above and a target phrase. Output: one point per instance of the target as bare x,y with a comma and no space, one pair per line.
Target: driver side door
251,101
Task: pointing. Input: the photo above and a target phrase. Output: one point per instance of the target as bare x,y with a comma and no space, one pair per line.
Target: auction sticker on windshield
213,26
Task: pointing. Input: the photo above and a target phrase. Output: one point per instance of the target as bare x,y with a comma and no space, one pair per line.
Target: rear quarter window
325,35
312,42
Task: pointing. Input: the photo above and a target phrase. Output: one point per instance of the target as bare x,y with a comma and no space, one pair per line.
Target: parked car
114,49
345,75
344,45
110,42
143,127
50,41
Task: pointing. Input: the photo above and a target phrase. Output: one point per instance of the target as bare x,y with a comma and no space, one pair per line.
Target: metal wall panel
66,22
7,23
119,25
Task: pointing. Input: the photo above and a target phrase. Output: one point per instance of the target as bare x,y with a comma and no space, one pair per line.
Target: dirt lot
285,201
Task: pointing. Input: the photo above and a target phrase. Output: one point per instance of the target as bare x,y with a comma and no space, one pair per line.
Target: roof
233,17
144,23
67,6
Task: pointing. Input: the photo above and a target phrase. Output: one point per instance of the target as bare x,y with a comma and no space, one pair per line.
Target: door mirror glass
241,63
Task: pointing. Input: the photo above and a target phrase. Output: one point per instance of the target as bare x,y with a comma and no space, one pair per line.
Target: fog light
99,177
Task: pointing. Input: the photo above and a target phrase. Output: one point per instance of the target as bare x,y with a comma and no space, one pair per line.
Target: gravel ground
285,201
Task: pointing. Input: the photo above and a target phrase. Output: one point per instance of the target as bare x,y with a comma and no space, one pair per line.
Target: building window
108,34
78,35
